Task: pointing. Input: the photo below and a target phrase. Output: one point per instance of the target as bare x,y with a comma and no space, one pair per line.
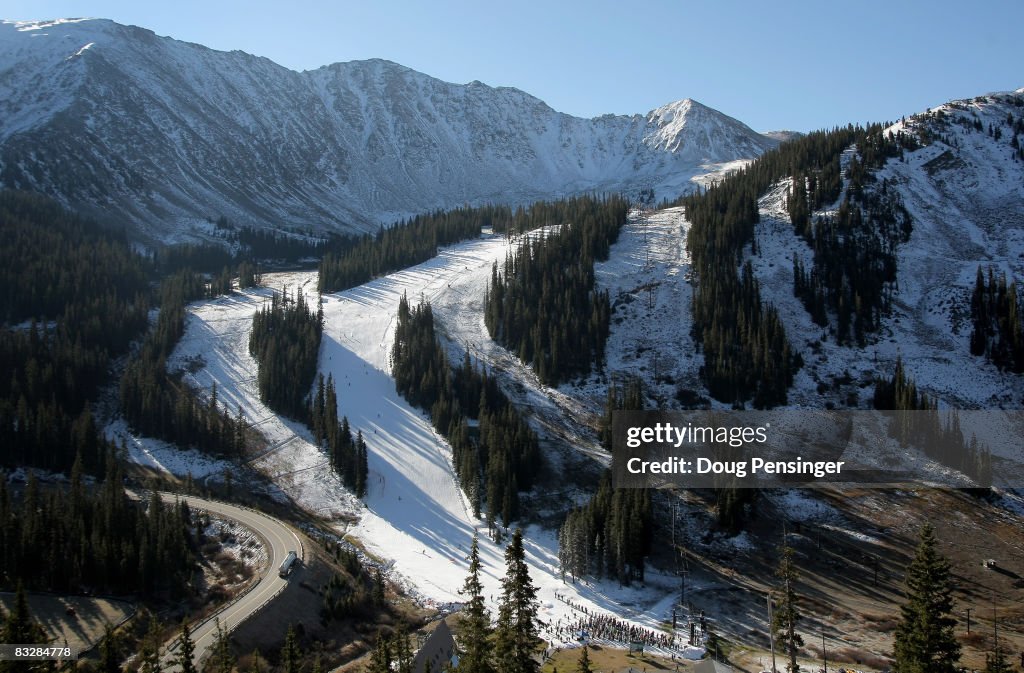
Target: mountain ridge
163,135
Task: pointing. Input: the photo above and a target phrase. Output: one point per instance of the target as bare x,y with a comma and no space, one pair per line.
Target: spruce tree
924,640
19,626
995,661
290,653
380,658
110,655
186,650
255,667
378,588
402,651
583,666
150,651
223,660
476,621
787,614
516,635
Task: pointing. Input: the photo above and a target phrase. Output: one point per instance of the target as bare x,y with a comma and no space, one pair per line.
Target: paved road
280,540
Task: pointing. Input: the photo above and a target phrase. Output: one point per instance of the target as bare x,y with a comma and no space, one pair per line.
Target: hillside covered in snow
164,135
964,191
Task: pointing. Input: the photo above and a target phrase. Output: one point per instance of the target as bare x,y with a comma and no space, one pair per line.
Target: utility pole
771,632
968,621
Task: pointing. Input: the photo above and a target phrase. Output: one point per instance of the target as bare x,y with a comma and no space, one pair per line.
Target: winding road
279,538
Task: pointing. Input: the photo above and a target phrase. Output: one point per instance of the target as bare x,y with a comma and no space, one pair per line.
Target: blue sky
795,65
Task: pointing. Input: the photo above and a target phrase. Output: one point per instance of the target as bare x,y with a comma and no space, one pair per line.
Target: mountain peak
703,134
163,135
24,26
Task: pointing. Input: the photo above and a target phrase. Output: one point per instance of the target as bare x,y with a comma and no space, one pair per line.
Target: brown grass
881,623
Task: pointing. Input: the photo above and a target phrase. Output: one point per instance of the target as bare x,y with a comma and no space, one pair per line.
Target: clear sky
774,65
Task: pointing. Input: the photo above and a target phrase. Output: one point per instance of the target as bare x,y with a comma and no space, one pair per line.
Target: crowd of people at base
605,627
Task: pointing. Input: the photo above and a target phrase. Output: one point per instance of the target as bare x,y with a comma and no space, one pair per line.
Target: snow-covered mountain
163,134
964,190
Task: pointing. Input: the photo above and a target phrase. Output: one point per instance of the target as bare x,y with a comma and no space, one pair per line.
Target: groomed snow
414,515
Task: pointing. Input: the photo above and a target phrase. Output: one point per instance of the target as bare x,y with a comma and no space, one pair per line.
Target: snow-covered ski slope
966,198
414,515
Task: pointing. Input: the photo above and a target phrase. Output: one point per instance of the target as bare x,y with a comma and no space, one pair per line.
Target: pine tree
402,652
924,640
19,626
380,658
110,655
150,651
476,621
186,650
583,666
516,634
223,661
256,657
995,661
787,614
290,653
378,588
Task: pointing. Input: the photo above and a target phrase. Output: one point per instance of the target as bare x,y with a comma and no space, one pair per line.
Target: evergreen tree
110,655
507,458
380,658
583,666
186,650
516,634
402,651
787,614
285,342
150,651
290,654
378,587
222,660
256,666
995,661
476,621
19,626
924,640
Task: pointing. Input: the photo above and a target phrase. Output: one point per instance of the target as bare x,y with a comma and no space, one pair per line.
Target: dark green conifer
924,640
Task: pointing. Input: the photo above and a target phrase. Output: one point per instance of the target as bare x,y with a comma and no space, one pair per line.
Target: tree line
609,536
853,273
940,440
285,342
543,305
495,454
347,455
996,329
160,404
94,538
84,294
746,353
405,244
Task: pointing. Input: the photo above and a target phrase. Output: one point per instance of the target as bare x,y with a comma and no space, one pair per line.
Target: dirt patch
852,548
609,660
82,629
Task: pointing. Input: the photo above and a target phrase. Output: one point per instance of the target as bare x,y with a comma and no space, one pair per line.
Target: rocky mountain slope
964,190
163,135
